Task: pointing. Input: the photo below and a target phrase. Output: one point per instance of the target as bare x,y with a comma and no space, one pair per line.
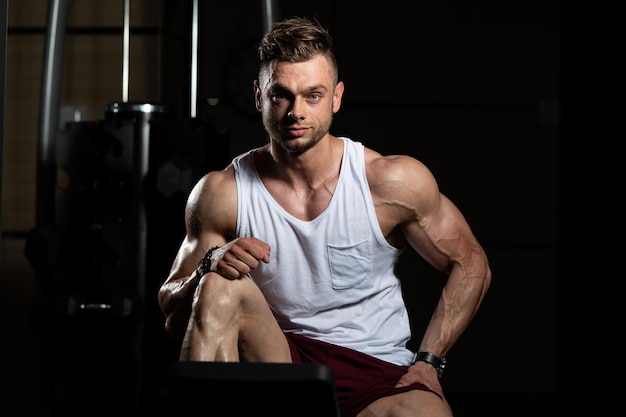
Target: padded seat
236,389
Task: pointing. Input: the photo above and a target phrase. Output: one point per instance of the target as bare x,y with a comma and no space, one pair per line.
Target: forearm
460,299
175,300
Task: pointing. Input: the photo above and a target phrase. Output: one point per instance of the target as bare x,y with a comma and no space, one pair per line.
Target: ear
337,95
257,95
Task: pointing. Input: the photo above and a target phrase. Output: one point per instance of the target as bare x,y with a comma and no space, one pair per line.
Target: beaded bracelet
204,266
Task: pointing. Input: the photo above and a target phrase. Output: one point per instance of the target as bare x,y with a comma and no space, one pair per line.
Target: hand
423,373
240,256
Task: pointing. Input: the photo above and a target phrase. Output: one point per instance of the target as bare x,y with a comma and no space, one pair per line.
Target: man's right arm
209,222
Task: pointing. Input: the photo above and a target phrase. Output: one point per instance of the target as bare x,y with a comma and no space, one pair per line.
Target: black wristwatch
436,361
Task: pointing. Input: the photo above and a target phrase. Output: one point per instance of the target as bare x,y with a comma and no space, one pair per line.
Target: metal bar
126,61
193,90
3,60
49,114
270,13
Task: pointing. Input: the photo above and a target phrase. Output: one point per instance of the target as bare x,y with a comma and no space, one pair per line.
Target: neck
312,167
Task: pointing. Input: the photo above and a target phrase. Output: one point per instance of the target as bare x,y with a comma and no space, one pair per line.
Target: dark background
498,99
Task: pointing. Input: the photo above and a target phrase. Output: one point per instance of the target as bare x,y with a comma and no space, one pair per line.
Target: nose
296,111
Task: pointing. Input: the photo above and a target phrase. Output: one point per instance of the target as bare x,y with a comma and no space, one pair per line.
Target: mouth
297,132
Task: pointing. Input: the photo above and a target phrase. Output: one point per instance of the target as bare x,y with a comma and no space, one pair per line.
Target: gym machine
110,216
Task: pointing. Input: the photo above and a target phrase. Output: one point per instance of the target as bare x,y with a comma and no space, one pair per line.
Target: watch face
240,72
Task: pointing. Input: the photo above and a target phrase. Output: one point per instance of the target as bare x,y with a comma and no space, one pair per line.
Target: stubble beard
275,132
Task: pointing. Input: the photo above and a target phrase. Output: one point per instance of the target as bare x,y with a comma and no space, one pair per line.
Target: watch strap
434,360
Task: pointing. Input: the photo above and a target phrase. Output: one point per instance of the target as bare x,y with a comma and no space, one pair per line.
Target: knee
216,296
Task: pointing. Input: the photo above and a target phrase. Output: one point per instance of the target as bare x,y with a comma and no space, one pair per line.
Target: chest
304,203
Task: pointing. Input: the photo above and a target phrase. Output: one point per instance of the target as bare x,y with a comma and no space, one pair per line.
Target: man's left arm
439,232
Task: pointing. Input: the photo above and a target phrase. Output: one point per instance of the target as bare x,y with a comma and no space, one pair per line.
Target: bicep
441,234
407,195
433,225
210,213
209,221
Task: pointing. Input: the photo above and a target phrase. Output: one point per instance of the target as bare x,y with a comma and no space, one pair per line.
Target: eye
314,97
278,97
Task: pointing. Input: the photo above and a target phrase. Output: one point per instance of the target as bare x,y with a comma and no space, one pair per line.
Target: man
290,250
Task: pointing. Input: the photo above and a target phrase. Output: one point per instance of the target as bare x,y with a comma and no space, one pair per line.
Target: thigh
414,403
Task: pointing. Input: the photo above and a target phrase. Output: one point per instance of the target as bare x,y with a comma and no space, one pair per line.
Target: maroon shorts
360,379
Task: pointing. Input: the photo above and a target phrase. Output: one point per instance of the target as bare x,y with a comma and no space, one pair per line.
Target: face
298,101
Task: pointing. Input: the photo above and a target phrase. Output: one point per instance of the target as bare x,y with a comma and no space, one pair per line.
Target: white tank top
331,278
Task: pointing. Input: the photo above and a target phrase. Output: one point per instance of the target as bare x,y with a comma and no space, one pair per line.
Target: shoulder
386,173
212,202
213,183
403,190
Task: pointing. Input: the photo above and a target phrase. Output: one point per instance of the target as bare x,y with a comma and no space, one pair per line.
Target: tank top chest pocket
349,263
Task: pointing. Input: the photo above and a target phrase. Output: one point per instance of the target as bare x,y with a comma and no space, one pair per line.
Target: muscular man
290,250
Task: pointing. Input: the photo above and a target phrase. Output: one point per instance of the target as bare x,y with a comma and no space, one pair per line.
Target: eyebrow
281,88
